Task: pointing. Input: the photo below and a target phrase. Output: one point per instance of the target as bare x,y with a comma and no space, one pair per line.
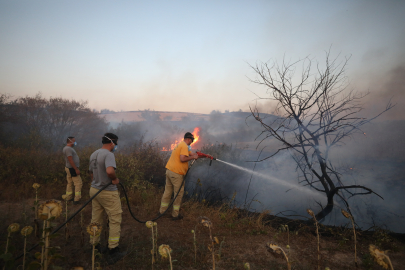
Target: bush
21,168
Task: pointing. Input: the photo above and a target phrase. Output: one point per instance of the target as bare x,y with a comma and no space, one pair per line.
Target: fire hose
126,198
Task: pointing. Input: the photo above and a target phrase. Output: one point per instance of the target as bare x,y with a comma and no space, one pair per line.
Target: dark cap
188,135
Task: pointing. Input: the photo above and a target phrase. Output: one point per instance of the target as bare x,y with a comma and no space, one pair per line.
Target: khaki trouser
173,183
109,202
77,182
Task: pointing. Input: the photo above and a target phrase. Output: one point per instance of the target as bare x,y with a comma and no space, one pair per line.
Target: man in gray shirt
72,164
102,172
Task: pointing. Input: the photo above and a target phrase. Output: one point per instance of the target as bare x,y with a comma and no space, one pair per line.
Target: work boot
180,216
114,255
76,202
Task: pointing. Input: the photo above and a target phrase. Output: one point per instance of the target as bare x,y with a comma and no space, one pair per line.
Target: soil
242,239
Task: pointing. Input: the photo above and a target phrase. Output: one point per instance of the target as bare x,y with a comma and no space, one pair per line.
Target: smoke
386,87
374,160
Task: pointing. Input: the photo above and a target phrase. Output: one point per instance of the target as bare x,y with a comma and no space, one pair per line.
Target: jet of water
275,180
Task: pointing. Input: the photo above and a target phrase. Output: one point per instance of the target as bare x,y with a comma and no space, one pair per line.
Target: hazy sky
187,55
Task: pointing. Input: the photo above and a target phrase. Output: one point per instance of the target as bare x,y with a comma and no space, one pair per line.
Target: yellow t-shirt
174,164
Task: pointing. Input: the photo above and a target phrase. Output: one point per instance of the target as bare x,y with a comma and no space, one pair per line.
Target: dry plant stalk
27,230
36,186
206,222
14,227
44,218
66,215
48,210
347,215
317,233
48,225
149,224
380,257
195,245
274,248
93,230
288,235
156,236
164,251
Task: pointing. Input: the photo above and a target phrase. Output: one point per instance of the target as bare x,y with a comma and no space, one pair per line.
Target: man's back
174,163
100,160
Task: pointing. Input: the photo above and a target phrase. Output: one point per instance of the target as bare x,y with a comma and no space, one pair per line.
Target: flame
195,132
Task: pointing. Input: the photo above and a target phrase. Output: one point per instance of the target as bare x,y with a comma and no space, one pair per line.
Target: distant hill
137,116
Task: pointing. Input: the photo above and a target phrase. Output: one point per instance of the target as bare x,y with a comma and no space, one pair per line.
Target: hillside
136,116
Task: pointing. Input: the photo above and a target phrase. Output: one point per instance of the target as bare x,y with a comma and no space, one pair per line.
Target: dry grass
245,238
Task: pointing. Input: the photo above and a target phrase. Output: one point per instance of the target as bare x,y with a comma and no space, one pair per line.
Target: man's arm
192,156
70,159
111,174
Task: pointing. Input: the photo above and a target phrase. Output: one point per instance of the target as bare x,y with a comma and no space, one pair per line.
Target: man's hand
77,171
116,181
191,156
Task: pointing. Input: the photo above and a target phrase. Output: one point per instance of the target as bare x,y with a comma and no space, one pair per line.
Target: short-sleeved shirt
70,152
100,160
174,164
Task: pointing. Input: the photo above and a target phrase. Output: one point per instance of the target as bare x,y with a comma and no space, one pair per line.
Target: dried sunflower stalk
380,257
164,251
278,250
27,230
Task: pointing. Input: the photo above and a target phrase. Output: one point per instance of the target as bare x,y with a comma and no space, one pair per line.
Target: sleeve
69,152
184,149
110,161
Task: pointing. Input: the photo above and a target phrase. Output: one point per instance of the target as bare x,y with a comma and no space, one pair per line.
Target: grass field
242,236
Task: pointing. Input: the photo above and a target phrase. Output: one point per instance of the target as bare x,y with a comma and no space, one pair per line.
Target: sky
192,56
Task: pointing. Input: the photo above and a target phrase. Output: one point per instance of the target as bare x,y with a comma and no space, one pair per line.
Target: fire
195,132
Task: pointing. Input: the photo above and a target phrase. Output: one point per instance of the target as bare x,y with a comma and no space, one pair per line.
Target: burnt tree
314,113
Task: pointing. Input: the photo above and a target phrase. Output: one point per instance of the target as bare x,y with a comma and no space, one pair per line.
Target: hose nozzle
205,155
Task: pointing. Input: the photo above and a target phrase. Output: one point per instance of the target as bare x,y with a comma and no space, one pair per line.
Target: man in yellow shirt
176,169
